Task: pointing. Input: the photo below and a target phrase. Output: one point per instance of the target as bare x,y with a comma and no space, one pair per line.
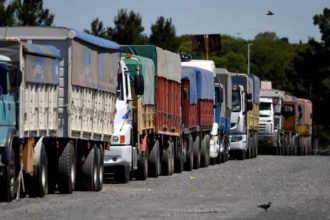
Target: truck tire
67,169
142,171
122,174
178,163
218,159
189,164
154,161
203,153
89,171
7,180
207,153
166,160
171,154
100,170
38,183
241,154
197,156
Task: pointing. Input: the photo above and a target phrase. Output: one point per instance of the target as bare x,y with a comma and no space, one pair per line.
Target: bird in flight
265,206
270,12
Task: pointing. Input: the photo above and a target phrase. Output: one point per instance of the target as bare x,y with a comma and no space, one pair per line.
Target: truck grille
262,128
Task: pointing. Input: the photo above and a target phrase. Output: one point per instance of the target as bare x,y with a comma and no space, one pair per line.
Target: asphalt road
298,187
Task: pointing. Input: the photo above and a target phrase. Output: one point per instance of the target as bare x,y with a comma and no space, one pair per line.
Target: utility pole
248,58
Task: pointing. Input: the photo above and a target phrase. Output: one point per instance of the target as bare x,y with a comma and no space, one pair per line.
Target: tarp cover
42,64
147,69
204,81
94,67
189,74
167,63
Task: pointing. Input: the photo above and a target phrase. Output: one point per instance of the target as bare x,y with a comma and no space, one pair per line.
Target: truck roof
203,64
56,33
266,100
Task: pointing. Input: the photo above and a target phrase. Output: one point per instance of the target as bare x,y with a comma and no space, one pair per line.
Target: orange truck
297,121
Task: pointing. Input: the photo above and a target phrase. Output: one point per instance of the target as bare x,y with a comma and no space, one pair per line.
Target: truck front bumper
120,155
238,142
214,148
266,140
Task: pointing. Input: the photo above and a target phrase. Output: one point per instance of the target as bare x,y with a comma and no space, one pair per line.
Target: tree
163,34
128,28
98,29
32,13
7,13
323,21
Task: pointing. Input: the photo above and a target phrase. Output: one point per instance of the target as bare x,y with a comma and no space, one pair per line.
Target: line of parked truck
75,108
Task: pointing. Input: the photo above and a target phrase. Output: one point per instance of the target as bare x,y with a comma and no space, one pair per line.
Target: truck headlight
236,138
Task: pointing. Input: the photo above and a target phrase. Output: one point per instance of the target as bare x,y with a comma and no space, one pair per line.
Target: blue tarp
191,76
42,64
96,40
42,50
204,82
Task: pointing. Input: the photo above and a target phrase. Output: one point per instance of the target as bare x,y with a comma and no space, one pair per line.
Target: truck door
7,101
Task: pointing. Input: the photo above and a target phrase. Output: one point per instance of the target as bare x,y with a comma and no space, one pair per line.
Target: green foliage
32,13
7,13
25,13
163,34
128,28
323,21
97,29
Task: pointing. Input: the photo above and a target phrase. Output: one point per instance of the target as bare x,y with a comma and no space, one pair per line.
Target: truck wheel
203,153
38,183
122,174
207,144
7,180
154,161
142,171
178,163
189,154
241,154
218,159
171,155
100,170
67,169
89,171
197,156
166,160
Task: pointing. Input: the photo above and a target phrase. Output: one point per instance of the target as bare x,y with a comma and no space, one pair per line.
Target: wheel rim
12,176
95,175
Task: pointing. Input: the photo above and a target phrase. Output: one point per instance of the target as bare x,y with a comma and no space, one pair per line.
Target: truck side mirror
248,100
139,84
221,95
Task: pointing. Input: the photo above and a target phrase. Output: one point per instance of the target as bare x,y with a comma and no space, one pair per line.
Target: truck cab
124,155
238,119
267,131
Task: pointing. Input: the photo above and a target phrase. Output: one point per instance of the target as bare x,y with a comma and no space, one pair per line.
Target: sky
239,18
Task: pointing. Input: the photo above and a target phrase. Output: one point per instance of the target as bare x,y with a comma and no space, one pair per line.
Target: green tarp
147,69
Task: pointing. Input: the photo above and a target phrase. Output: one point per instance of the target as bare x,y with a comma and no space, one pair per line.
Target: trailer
197,104
64,116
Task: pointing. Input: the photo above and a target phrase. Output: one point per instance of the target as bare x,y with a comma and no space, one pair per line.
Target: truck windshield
3,79
265,109
236,101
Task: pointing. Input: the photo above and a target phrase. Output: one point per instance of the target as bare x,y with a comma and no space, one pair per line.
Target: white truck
55,133
245,116
146,141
